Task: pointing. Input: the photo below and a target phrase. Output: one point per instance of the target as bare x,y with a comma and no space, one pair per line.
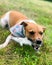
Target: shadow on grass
25,50
48,0
25,54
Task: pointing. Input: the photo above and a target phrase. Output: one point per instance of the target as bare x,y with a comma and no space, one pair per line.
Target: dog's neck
18,30
32,21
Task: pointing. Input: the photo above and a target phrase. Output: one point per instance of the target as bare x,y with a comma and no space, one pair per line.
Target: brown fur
35,28
15,17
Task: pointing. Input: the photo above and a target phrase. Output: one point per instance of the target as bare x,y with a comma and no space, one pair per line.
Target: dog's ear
24,24
44,28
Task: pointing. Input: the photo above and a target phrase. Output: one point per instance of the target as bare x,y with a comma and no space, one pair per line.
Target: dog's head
34,33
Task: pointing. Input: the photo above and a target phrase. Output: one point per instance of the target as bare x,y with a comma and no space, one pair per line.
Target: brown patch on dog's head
34,32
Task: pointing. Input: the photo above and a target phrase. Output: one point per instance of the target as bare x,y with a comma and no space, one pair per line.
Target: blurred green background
14,54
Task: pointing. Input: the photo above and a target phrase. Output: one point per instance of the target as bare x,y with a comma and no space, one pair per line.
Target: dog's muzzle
36,44
38,41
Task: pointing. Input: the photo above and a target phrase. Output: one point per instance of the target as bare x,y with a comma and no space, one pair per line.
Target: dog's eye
32,32
41,33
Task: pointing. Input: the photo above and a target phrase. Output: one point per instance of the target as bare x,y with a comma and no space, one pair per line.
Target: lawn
14,54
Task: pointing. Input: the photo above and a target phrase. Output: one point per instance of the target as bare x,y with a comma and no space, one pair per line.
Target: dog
23,30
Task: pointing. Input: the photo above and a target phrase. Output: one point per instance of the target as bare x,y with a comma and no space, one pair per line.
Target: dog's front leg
22,41
19,40
6,42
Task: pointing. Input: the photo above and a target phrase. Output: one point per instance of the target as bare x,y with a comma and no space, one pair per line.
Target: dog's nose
38,41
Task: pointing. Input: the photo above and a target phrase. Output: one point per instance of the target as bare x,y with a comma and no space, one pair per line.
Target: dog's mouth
36,44
35,47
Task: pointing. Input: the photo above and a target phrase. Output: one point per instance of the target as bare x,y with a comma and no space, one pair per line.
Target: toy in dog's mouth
36,47
36,44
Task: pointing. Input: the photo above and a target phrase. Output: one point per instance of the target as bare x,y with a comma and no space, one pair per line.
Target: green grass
14,54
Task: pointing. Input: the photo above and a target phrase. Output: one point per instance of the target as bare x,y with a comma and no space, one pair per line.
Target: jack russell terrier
23,30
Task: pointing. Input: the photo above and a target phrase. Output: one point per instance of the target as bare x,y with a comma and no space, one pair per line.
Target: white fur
21,41
5,19
3,22
6,42
27,21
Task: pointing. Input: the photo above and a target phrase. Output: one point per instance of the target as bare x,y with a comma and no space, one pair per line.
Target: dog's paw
21,44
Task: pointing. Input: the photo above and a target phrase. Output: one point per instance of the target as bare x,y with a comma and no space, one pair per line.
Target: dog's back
4,20
10,18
